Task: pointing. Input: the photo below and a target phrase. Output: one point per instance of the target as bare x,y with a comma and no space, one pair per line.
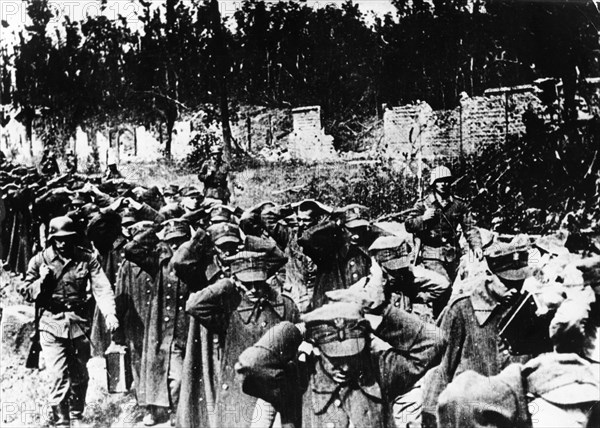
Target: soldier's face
442,187
190,202
227,249
175,243
306,219
402,275
344,369
359,235
64,246
171,199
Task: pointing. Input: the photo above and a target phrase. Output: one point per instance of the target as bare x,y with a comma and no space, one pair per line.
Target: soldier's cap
562,379
89,209
216,150
128,217
391,252
172,210
355,215
9,187
221,213
221,233
140,227
260,207
60,227
103,223
337,329
190,192
20,170
80,199
249,266
208,203
152,192
312,205
508,261
34,187
176,228
171,190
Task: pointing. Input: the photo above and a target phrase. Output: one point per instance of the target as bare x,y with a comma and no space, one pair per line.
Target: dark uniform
48,164
65,324
339,262
471,324
300,270
166,324
213,174
440,250
305,392
238,319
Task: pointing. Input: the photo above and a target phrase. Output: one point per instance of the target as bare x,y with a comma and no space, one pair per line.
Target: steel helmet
214,150
61,226
439,173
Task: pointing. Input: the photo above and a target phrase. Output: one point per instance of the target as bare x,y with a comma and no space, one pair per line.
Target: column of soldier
303,315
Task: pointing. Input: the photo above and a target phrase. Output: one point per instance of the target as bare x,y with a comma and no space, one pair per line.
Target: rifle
416,251
33,358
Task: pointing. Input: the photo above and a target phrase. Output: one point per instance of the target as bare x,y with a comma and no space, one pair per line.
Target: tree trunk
221,67
170,125
29,131
569,79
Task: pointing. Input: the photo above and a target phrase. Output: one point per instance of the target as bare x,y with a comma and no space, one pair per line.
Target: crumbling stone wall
308,140
475,124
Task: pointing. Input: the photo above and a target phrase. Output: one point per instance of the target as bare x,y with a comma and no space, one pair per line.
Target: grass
381,186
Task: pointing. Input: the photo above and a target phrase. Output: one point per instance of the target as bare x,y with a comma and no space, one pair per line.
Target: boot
60,415
77,402
150,417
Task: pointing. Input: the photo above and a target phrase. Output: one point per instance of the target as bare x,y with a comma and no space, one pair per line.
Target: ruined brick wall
476,123
308,141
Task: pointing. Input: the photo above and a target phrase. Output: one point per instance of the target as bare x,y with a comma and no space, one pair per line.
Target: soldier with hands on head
239,310
471,323
332,370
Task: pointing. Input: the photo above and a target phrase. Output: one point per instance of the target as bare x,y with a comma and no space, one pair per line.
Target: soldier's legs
79,355
174,375
448,270
55,352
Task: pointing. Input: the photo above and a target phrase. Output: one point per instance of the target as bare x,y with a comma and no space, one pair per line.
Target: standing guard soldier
48,164
214,174
434,221
57,280
71,162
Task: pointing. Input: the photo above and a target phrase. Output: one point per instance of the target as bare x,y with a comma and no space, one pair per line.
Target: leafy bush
549,172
